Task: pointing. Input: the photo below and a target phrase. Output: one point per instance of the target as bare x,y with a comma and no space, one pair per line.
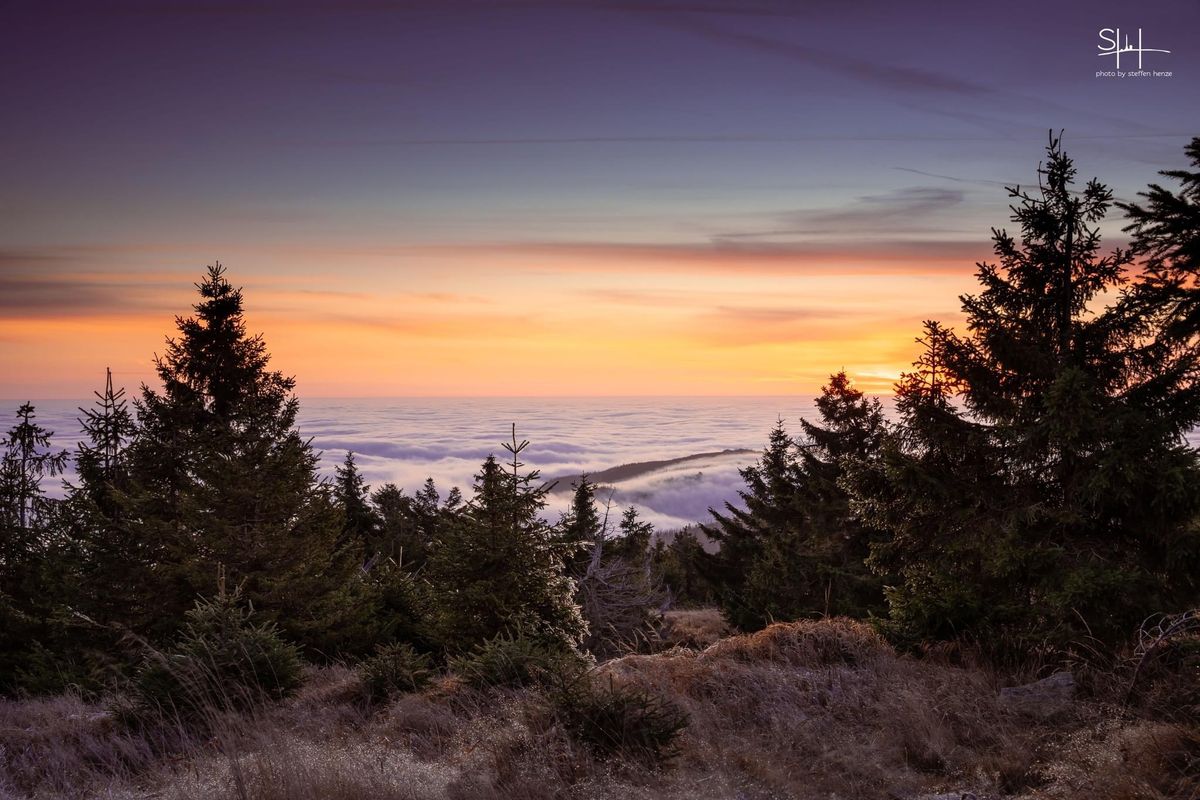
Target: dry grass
693,627
803,710
64,747
1126,760
820,709
282,767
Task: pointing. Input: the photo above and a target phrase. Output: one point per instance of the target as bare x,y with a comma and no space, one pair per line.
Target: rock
1043,699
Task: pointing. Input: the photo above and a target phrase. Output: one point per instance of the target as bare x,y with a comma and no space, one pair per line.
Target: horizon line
600,396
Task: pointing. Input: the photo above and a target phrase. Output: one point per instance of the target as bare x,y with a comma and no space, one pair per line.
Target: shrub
696,628
807,643
513,660
1165,677
394,670
222,661
615,720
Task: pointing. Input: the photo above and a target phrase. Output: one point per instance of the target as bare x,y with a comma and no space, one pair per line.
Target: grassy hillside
801,710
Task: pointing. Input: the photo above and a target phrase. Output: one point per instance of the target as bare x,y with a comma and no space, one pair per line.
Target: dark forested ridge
1033,498
624,472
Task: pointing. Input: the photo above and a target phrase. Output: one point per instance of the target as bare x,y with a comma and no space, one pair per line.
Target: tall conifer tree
1056,496
221,478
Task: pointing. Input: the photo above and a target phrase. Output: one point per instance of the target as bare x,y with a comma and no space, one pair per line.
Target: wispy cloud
911,203
742,255
905,211
19,259
666,139
741,326
887,76
49,294
976,181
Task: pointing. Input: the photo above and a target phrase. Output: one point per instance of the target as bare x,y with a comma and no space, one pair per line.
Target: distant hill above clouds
638,469
671,493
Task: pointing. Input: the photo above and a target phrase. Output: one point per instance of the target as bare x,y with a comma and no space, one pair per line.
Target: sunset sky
543,198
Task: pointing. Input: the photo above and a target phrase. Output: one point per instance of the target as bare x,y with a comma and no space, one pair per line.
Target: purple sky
298,141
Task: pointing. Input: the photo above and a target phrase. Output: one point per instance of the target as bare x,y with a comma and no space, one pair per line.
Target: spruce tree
220,477
937,490
498,567
770,509
581,527
29,587
361,523
850,430
1044,489
115,563
1166,237
796,549
633,540
391,530
109,427
27,459
409,524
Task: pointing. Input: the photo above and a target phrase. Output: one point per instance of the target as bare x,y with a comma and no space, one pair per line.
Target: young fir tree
108,428
770,501
497,567
682,566
581,528
410,525
796,549
390,599
220,477
399,598
633,540
25,512
28,586
361,523
1066,493
114,562
26,461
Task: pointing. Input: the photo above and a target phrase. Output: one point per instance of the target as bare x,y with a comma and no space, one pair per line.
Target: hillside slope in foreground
800,710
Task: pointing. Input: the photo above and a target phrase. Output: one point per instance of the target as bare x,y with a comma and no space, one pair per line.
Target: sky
545,198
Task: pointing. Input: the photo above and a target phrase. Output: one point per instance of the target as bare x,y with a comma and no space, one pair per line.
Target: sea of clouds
406,440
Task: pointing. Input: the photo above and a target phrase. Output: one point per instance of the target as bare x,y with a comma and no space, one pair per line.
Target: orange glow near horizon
540,322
